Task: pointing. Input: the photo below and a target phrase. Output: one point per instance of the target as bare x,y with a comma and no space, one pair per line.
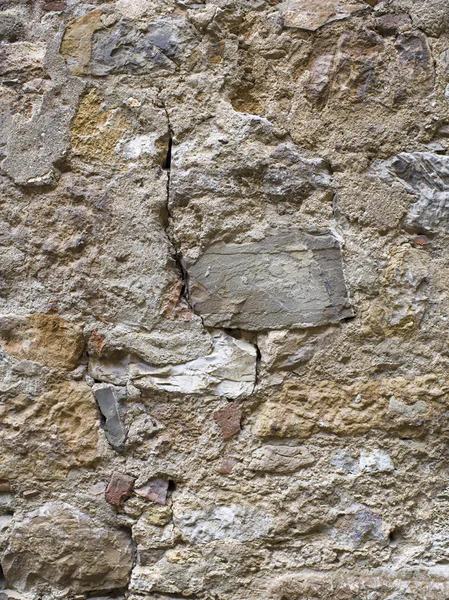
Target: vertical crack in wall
168,217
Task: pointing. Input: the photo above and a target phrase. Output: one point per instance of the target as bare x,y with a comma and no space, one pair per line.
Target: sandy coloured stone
44,338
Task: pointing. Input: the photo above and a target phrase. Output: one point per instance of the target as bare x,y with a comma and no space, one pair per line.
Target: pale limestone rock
233,522
377,461
409,411
290,279
229,370
311,15
426,176
59,545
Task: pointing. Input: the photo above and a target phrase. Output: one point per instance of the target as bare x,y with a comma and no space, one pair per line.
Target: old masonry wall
224,276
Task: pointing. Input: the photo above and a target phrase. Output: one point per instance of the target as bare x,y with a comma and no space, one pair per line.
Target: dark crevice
166,165
177,258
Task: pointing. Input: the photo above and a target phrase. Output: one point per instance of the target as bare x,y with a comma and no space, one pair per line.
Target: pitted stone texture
35,146
59,545
311,15
239,156
289,279
426,176
211,523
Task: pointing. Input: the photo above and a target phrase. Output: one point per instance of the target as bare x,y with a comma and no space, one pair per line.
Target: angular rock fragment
426,176
156,491
108,398
228,418
62,546
119,488
280,459
312,14
289,279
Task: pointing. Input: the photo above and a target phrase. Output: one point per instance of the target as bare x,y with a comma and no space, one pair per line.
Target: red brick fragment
228,418
227,464
48,6
119,488
156,491
421,240
30,493
4,486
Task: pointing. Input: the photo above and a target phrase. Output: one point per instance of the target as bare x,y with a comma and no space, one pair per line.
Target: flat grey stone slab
289,279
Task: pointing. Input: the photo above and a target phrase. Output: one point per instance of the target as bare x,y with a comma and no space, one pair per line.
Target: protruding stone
43,338
229,370
228,418
119,488
108,399
291,278
59,545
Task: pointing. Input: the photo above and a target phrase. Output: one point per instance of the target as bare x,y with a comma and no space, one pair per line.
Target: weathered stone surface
288,279
426,176
108,398
50,435
190,193
59,545
36,145
310,15
119,488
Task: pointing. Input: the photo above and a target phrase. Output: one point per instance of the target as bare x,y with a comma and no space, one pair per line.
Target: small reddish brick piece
4,486
156,491
421,240
229,419
227,464
57,6
119,487
30,493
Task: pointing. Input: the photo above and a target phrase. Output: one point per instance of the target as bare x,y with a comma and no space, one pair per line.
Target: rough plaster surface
224,299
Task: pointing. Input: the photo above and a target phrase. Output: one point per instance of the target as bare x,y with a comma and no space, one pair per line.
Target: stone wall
224,278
